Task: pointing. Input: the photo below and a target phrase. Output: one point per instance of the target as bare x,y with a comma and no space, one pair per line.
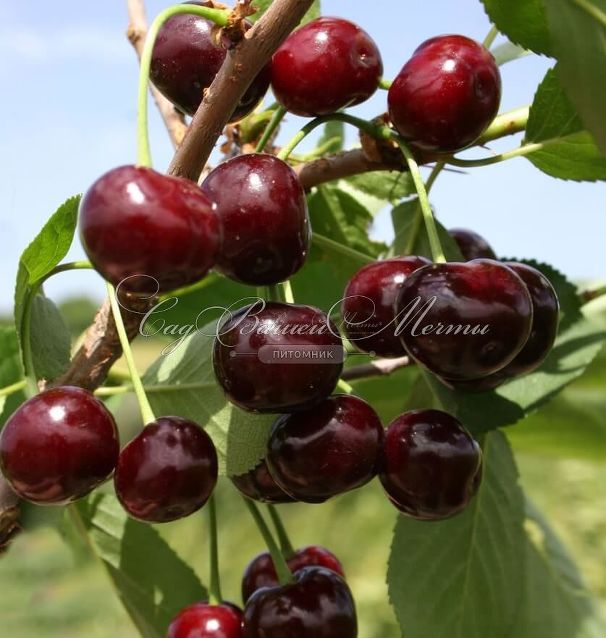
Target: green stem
146,411
526,149
344,387
214,590
280,565
588,295
374,130
273,124
592,10
285,544
218,16
287,293
430,223
491,37
385,84
14,387
508,123
330,244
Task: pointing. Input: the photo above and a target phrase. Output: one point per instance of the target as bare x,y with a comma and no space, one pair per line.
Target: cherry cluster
473,324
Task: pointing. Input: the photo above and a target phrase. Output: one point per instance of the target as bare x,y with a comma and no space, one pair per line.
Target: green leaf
556,603
459,578
152,582
11,371
574,155
522,21
262,6
332,138
50,338
384,186
578,33
187,387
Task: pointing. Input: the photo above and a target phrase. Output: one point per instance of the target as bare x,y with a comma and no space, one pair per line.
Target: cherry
187,57
259,485
167,471
202,620
326,450
446,95
464,320
58,446
263,212
324,66
472,245
369,319
543,332
261,572
432,467
276,357
135,221
318,604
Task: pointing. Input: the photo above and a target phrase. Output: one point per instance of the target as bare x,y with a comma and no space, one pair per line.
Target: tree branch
241,66
377,368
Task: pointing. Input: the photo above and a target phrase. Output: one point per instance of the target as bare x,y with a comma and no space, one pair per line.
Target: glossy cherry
260,572
166,472
187,57
326,450
58,446
446,95
318,604
324,66
263,213
203,620
464,320
259,485
472,245
278,357
135,221
369,318
432,467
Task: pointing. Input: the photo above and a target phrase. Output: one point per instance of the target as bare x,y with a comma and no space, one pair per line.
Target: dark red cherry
318,604
135,221
263,213
202,620
278,357
472,245
324,66
187,57
369,319
432,467
58,446
446,95
326,450
259,485
166,472
464,320
260,572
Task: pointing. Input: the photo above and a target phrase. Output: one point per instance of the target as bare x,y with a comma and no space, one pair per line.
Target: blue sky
68,114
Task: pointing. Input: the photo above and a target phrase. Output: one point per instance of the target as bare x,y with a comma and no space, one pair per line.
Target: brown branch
241,66
378,368
9,514
137,30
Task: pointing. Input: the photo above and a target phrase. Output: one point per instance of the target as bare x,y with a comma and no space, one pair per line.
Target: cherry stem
374,130
490,37
430,223
285,544
345,387
385,84
588,295
330,244
526,149
271,127
218,16
214,591
14,387
146,410
282,570
508,123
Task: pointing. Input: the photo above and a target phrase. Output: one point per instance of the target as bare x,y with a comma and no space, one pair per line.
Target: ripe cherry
135,221
260,572
202,620
464,320
326,450
446,95
324,66
58,446
369,318
166,472
263,213
187,57
472,245
278,357
432,467
318,604
259,485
